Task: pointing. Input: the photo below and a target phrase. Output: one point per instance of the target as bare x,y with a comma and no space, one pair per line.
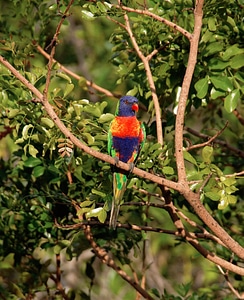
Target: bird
126,137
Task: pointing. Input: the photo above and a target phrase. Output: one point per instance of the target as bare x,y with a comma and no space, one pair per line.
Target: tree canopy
63,66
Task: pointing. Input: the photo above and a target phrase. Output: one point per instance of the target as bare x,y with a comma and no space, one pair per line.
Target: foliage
51,189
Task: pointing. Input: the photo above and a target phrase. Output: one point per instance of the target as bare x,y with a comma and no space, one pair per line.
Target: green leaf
64,76
201,87
222,83
82,82
231,100
228,181
217,64
168,170
87,15
189,157
212,23
223,203
32,150
93,110
207,153
68,89
94,212
13,112
86,203
132,92
32,162
237,61
99,193
104,118
102,216
26,130
38,171
47,122
231,199
212,195
215,94
101,7
88,138
231,51
212,48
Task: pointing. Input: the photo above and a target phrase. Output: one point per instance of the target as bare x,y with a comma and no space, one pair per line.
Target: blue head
127,107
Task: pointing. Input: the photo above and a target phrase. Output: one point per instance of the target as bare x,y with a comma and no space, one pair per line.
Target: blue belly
126,147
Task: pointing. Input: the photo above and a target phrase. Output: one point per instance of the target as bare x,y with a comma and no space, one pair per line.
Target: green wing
111,150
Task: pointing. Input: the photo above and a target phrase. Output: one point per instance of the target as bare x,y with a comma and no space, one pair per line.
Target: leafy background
44,178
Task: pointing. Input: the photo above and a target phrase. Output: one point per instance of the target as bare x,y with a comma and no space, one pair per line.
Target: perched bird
126,137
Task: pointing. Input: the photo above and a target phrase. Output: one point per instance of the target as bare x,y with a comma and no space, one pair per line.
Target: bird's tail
119,187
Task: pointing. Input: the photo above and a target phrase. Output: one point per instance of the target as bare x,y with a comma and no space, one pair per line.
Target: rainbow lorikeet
126,137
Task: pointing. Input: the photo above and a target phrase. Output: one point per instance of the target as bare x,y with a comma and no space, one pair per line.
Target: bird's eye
126,102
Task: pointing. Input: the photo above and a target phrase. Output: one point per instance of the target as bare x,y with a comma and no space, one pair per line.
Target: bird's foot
116,159
132,165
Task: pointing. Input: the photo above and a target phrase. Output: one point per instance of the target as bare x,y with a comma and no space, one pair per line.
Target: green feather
119,187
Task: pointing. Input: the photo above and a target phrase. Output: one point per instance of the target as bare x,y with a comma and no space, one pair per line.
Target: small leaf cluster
221,67
218,186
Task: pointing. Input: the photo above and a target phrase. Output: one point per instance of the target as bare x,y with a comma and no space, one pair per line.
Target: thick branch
185,91
192,198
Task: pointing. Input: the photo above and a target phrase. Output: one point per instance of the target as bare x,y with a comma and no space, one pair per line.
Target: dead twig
210,140
215,141
233,290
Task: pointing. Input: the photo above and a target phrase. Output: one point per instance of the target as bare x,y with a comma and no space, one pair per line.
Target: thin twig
77,77
233,290
209,141
53,47
205,234
146,64
215,141
189,236
148,13
239,116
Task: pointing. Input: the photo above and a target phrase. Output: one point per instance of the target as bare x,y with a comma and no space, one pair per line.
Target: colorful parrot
126,137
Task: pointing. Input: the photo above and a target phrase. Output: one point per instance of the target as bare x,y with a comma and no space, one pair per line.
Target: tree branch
77,77
145,62
106,259
190,237
216,141
179,125
211,139
156,17
191,197
53,47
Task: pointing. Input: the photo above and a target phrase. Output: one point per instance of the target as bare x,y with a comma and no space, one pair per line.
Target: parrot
126,137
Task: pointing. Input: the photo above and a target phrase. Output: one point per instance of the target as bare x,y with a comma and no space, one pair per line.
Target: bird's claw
132,165
116,159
